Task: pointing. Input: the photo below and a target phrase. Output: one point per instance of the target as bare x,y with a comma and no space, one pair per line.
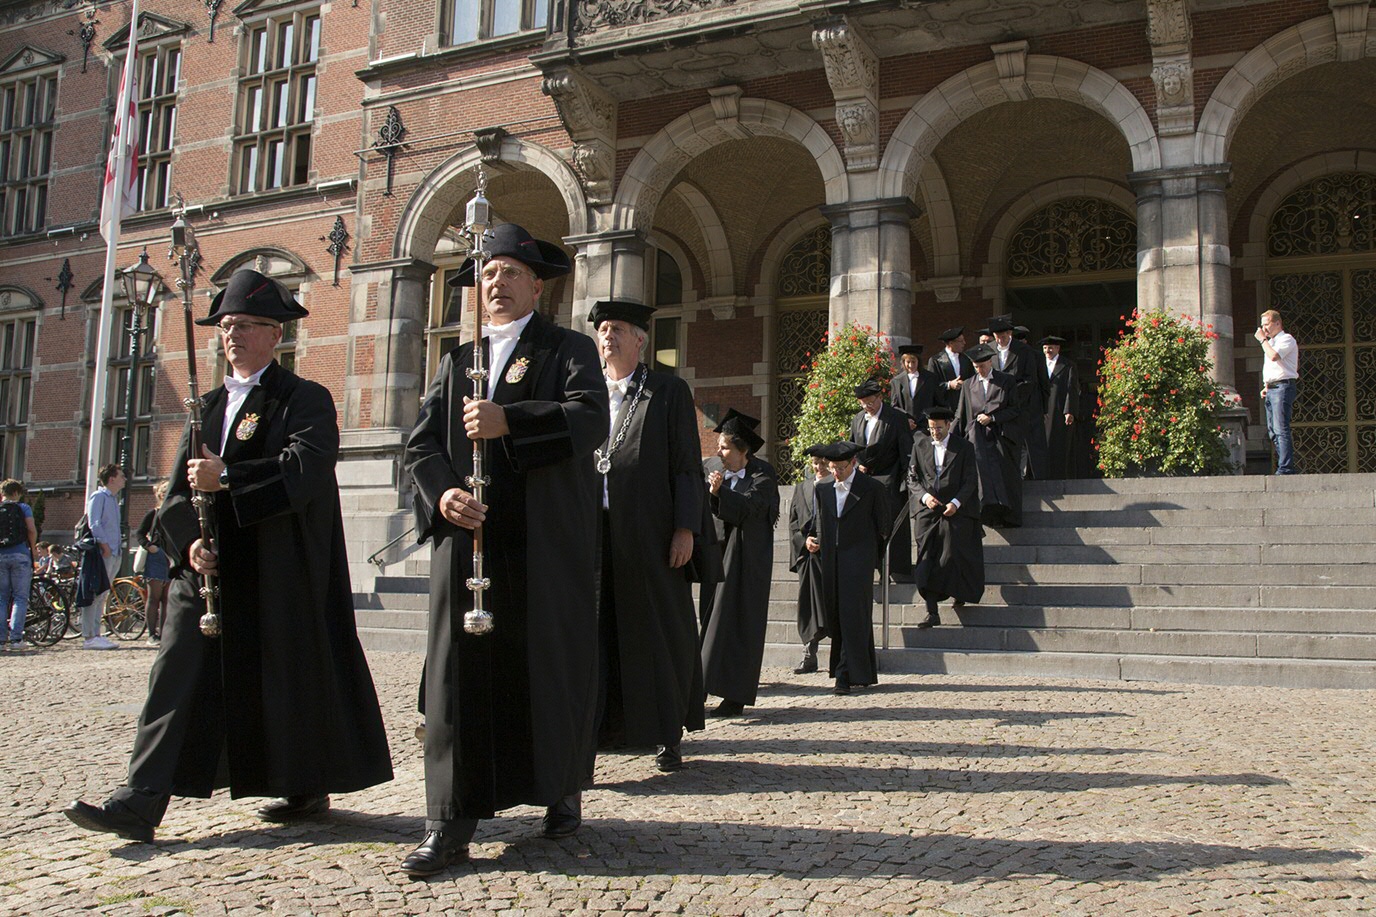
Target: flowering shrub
849,356
1158,404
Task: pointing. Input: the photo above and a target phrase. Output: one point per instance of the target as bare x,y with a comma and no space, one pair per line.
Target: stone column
871,264
1150,247
607,265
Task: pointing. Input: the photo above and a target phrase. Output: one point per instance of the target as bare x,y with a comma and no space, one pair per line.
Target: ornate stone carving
1349,21
1010,58
589,115
853,73
1168,25
489,141
726,103
594,15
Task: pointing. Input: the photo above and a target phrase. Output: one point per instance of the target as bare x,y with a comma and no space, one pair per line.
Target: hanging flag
119,195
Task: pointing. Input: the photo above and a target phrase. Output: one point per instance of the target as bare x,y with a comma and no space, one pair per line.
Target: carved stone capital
1169,28
726,103
1010,58
1174,96
595,164
489,141
584,107
851,64
859,122
1349,21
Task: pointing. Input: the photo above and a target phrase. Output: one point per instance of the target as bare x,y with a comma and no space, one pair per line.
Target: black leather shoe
295,808
113,817
932,620
842,687
564,817
670,758
727,708
807,666
435,854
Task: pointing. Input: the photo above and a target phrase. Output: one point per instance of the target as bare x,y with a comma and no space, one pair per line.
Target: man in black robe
887,438
951,366
1061,383
281,703
509,714
1017,359
744,499
650,684
913,390
802,524
988,417
854,518
950,548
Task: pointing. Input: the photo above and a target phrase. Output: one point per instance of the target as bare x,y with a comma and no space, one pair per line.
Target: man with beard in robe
744,499
988,417
1016,358
951,367
854,518
1061,383
509,714
802,524
650,684
281,702
887,438
950,549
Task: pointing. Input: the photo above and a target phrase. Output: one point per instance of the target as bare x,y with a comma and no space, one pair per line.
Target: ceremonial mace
188,257
478,219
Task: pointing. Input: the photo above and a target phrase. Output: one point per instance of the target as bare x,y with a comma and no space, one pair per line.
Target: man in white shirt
1280,375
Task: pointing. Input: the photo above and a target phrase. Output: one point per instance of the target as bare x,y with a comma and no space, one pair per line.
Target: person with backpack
18,535
102,516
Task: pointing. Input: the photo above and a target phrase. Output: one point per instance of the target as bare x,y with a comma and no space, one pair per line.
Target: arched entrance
1321,275
802,285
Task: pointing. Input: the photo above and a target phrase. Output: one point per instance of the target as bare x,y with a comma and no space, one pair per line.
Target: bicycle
49,611
126,607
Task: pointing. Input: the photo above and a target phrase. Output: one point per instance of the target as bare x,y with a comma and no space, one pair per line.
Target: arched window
803,284
1321,262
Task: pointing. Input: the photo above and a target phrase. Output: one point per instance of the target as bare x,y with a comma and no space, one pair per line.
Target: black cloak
997,446
950,550
812,620
852,549
508,715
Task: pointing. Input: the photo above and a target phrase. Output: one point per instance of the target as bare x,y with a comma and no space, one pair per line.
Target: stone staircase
1228,580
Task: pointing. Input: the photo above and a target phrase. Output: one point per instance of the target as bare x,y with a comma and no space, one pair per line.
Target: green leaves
1158,403
849,356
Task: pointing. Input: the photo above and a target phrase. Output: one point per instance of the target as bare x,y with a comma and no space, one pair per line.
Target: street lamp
142,286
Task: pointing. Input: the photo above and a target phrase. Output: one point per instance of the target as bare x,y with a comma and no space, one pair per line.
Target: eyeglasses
230,327
505,271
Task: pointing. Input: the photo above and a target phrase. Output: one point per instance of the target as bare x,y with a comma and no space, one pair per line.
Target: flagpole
101,370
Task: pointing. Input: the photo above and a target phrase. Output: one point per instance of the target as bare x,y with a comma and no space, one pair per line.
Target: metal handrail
375,558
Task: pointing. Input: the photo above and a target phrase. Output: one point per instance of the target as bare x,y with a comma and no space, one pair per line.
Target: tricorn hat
842,451
950,334
616,309
546,259
998,325
980,352
1052,339
939,413
742,426
251,293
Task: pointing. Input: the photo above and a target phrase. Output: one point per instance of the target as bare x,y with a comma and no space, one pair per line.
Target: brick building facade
758,169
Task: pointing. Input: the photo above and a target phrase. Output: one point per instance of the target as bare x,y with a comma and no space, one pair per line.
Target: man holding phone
1280,374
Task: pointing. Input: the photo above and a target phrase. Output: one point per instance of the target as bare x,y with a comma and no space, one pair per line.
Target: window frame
533,17
28,121
276,101
16,388
157,113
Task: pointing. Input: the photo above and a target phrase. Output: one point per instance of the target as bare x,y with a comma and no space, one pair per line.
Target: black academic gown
852,549
997,446
648,630
1022,366
1062,398
950,550
283,697
901,395
802,522
735,612
886,460
945,371
509,714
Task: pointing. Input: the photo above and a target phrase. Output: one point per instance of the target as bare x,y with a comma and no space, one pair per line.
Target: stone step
1332,499
402,584
392,601
392,640
1204,535
1168,514
1307,554
394,618
1054,574
1126,595
1311,483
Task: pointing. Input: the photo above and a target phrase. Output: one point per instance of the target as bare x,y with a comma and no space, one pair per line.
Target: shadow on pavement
710,744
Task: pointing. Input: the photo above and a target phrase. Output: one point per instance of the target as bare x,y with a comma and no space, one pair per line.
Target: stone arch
16,298
1275,60
716,260
1036,199
692,134
785,237
1301,173
941,220
973,90
427,213
280,263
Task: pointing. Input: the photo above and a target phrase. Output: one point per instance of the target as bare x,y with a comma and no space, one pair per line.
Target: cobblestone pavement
926,795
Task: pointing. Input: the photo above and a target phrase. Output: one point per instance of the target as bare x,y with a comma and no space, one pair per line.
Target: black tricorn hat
251,293
914,349
950,334
998,325
842,451
546,259
740,425
1052,339
616,309
980,352
940,413
867,388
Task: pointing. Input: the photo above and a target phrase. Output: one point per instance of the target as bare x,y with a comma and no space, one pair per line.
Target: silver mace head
210,624
477,622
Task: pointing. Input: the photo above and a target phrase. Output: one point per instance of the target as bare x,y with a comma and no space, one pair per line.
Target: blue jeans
16,575
1280,401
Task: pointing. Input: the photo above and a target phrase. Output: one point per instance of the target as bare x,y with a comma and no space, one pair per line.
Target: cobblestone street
928,794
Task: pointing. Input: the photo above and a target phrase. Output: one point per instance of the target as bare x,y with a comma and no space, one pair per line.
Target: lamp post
142,285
